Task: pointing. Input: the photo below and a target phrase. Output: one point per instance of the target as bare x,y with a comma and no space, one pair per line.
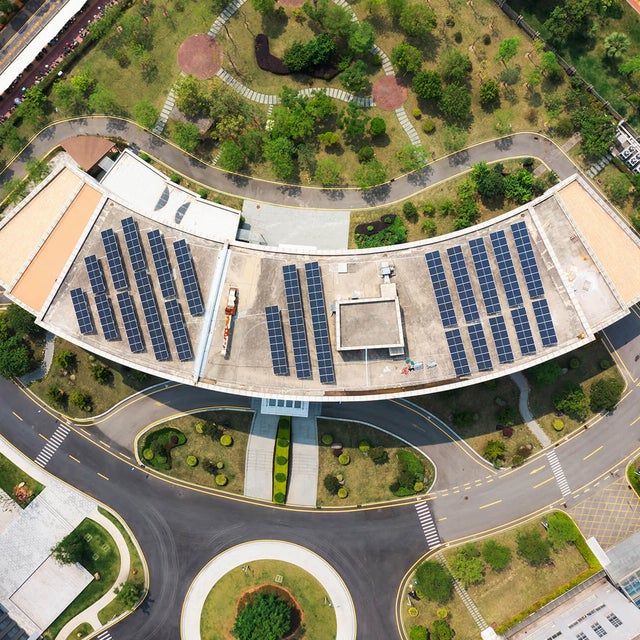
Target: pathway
525,412
258,474
47,359
303,471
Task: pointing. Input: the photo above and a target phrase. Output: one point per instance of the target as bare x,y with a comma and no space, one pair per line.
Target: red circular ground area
200,56
389,93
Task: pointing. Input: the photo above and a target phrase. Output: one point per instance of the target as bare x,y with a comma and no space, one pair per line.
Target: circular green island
280,595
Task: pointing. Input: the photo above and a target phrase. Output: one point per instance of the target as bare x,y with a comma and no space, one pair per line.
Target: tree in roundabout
265,617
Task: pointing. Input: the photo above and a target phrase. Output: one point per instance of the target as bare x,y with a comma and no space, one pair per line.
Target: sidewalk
47,359
523,405
303,471
258,468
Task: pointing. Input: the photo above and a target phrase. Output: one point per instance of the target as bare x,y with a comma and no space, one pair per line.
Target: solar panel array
527,259
96,277
85,322
189,280
178,330
114,258
485,276
458,354
480,348
544,322
296,321
134,246
506,268
463,284
523,331
131,326
441,289
319,322
501,339
105,313
161,262
276,341
152,316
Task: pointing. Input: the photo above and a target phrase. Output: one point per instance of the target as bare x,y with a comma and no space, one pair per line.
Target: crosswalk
556,467
105,635
52,445
427,523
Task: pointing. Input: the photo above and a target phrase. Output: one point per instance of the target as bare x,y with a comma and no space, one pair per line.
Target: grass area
633,477
365,481
541,396
219,611
136,570
81,631
483,401
11,476
104,559
237,424
123,382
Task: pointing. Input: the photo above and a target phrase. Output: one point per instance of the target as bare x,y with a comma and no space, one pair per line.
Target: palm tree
615,44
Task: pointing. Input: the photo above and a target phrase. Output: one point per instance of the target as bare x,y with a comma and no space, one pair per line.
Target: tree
328,172
533,548
616,44
370,174
186,135
361,39
354,121
66,360
418,20
561,531
355,78
128,594
467,566
15,358
252,144
434,582
145,113
507,50
377,127
489,92
56,396
328,138
534,78
81,400
455,66
550,66
412,157
103,101
68,99
331,484
14,190
455,102
337,21
33,105
605,393
488,180
418,632
230,157
428,85
630,67
265,617
101,373
37,170
407,57
496,555
264,7
572,400
441,630
21,322
455,138
280,152
191,97
518,186
598,134
494,451
72,549
617,187
545,373
11,138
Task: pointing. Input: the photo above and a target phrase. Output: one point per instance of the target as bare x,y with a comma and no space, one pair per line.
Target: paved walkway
268,550
258,476
47,359
303,471
525,412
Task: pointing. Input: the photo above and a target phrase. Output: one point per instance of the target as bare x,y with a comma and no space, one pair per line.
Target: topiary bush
364,446
147,454
226,440
326,439
429,125
558,425
192,461
418,487
220,465
221,479
604,364
342,493
283,442
574,363
344,459
281,460
413,612
281,477
199,427
279,497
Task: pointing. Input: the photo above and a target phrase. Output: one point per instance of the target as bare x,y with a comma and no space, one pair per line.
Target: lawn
365,481
236,423
81,631
136,571
11,476
123,382
219,611
105,560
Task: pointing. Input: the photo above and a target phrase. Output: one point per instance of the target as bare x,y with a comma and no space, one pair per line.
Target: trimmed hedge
281,460
160,442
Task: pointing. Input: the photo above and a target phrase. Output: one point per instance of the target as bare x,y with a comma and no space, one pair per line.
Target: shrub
331,484
413,612
144,156
326,439
175,178
210,467
281,460
418,633
279,497
220,465
148,454
226,440
429,125
497,556
202,193
81,400
558,425
365,154
281,477
604,364
533,548
507,416
283,442
486,39
342,493
467,566
574,363
379,455
562,530
464,419
199,427
572,400
418,487
364,446
442,631
192,461
429,228
377,127
101,374
417,114
340,477
221,479
344,459
494,451
264,616
410,211
605,393
545,373
434,582
410,472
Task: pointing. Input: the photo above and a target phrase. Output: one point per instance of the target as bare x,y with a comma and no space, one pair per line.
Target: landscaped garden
205,448
281,460
267,599
17,484
359,464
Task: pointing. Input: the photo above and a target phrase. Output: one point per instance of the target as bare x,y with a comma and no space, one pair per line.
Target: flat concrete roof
368,324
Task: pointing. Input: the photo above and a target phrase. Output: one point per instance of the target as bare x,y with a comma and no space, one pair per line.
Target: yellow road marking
105,477
636,420
456,491
490,480
74,459
44,437
441,519
535,486
594,452
17,416
536,470
484,506
105,444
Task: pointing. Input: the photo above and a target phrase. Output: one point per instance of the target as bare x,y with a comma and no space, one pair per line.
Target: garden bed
11,477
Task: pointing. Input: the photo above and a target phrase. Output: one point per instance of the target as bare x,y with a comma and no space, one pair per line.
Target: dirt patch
200,55
283,594
389,93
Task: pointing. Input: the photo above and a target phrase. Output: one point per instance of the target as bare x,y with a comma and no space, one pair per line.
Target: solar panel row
96,277
85,322
485,276
480,348
152,316
458,354
114,258
105,313
130,319
188,276
161,262
134,246
296,321
178,330
441,289
463,284
501,339
276,341
523,331
319,322
545,323
527,259
506,268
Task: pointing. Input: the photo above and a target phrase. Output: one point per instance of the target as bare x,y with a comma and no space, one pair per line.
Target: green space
213,449
359,464
11,477
281,460
136,572
82,385
633,477
21,342
81,631
220,607
91,546
508,576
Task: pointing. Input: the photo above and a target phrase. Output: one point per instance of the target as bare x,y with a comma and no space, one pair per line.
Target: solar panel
296,321
276,341
319,322
96,277
545,323
161,262
114,258
501,339
105,313
130,320
463,284
134,247
85,322
480,348
485,276
506,268
152,316
527,259
523,331
458,354
441,289
189,280
178,330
